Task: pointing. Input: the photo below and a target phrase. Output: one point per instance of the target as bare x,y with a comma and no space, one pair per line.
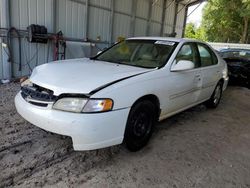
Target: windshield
140,53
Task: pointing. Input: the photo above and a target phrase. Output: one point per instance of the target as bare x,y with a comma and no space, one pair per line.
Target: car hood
80,75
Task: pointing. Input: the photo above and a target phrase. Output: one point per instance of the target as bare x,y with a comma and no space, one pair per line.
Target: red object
59,46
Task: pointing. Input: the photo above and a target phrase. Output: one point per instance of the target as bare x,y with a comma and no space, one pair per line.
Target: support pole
55,15
149,17
111,21
86,17
175,17
133,13
184,22
163,17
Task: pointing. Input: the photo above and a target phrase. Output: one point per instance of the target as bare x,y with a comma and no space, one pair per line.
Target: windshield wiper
109,61
138,66
112,61
122,63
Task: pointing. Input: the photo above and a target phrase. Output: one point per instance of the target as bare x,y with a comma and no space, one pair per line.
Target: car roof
165,39
233,49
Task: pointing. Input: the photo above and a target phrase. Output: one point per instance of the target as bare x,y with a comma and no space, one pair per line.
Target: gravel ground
197,148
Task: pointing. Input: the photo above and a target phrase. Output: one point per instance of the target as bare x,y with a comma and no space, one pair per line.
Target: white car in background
120,94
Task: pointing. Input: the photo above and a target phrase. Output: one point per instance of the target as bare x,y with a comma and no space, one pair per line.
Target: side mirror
182,65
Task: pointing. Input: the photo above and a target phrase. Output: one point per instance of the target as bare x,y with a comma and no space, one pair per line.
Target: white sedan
119,95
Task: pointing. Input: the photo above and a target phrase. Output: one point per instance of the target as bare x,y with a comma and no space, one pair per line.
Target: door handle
198,77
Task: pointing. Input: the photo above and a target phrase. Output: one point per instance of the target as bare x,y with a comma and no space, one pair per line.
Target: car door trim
184,93
191,91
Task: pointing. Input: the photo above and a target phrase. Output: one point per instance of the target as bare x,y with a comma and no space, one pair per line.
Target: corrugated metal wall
122,19
180,20
99,20
156,18
71,18
87,18
169,17
1,63
23,13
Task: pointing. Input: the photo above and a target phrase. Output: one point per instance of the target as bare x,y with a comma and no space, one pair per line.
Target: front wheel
214,101
140,125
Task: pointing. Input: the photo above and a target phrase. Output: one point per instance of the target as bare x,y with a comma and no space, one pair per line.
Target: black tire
140,124
214,101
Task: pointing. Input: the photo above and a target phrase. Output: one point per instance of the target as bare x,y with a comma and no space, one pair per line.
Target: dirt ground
197,148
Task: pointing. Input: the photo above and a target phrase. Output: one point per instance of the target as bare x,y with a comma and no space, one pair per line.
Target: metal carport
97,22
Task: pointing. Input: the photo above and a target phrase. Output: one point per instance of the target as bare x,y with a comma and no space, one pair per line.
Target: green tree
227,20
190,30
196,33
200,33
245,14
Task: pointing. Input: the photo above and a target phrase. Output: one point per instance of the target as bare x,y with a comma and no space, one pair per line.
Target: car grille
37,95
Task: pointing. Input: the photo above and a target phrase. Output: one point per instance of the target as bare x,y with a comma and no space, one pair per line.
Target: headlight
70,104
83,105
98,105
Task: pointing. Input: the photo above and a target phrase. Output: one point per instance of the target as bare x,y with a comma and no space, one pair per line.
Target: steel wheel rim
142,124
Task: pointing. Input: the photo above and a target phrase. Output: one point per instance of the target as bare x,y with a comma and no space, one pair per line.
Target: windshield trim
97,55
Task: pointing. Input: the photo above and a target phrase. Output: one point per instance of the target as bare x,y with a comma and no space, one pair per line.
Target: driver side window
187,52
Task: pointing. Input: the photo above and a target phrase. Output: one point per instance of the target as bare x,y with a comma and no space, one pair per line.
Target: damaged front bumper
88,131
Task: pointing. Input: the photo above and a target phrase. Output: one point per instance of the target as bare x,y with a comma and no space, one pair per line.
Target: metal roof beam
196,2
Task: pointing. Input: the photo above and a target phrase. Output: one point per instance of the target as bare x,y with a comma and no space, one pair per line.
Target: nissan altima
119,95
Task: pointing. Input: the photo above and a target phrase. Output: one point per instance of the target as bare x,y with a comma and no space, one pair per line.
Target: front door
184,91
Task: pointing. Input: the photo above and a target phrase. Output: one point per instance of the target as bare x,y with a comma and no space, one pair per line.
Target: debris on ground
196,148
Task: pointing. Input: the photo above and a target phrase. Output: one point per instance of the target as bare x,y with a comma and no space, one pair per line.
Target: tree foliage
227,20
191,31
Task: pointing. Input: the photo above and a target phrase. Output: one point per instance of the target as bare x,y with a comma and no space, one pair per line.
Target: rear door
209,69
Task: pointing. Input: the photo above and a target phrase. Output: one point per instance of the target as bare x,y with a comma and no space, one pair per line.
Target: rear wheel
214,101
140,125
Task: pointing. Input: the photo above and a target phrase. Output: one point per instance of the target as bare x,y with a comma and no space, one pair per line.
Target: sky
196,16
